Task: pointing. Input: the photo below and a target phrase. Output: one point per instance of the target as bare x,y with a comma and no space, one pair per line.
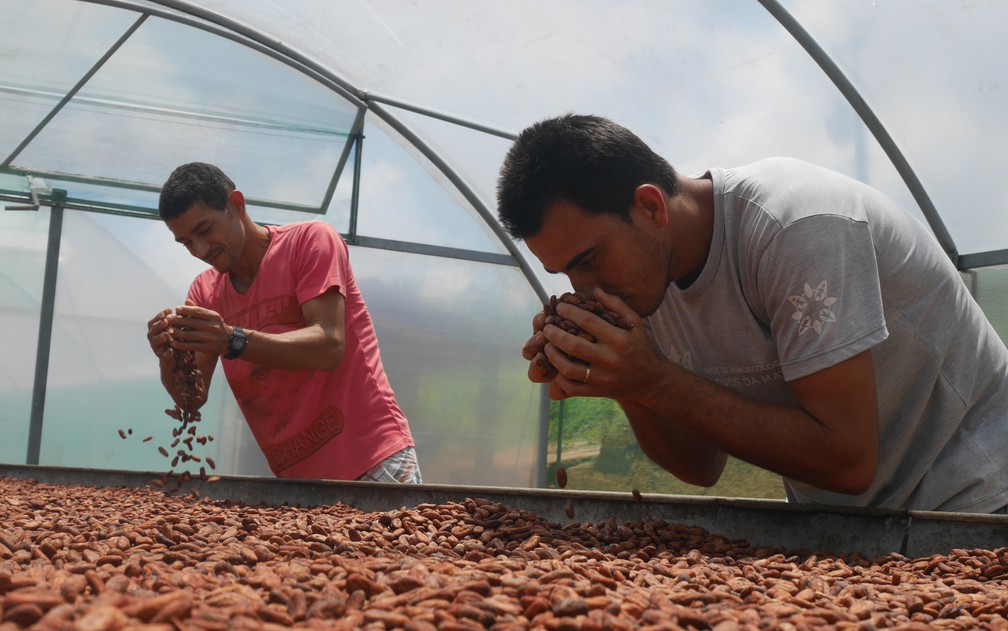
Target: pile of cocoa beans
96,559
533,350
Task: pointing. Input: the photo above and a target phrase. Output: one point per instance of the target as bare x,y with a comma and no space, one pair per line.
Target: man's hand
193,328
540,370
616,365
158,336
166,338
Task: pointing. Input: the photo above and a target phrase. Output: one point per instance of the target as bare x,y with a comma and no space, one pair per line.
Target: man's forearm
318,345
701,418
309,348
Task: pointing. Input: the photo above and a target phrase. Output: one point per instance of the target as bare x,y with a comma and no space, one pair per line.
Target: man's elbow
705,479
703,473
856,479
332,356
859,485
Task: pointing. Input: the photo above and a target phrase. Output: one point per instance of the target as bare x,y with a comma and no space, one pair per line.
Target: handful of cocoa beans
189,383
533,348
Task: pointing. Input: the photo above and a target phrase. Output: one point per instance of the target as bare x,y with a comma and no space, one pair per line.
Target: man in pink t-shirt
280,305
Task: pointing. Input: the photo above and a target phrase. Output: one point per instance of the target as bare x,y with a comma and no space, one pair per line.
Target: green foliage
600,453
585,419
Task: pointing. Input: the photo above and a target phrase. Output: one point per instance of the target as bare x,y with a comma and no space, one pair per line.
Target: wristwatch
236,346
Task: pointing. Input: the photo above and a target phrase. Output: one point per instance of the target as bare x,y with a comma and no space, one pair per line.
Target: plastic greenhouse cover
707,83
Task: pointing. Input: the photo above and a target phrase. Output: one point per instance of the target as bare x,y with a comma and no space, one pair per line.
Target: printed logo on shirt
274,310
813,308
684,360
296,448
737,377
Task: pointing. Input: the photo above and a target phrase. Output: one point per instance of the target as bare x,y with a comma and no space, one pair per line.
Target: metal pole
45,326
358,143
560,420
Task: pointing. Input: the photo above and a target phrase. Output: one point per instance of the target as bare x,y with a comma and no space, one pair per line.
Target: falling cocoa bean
561,477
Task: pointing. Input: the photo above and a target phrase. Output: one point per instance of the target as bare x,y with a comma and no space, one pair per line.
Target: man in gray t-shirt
784,314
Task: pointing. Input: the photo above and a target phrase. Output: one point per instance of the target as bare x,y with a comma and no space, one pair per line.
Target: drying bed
107,556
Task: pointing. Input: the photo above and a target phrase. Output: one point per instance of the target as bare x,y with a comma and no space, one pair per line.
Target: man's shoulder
785,167
314,226
792,188
304,232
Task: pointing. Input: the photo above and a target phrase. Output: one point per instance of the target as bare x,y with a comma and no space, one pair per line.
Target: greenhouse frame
389,120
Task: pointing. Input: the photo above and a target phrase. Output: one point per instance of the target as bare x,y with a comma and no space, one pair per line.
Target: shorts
400,467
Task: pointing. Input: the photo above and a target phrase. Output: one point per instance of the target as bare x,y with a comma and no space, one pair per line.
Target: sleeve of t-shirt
819,284
321,261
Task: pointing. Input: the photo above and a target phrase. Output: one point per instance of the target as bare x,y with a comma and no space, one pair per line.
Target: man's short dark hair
586,160
191,183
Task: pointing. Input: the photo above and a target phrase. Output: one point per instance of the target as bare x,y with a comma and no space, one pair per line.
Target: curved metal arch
362,98
257,40
871,121
340,87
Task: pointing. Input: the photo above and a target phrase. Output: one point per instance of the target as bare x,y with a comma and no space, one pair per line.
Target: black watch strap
237,344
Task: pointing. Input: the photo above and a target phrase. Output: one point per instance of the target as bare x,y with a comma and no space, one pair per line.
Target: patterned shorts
400,467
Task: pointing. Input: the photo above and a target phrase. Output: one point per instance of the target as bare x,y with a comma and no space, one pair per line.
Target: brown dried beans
74,557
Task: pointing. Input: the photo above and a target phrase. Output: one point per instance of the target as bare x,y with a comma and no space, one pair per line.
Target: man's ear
650,200
237,201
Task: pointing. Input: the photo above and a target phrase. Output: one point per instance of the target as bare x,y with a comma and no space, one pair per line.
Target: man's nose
199,249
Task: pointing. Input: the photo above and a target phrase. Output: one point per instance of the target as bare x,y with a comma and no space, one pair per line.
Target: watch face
236,345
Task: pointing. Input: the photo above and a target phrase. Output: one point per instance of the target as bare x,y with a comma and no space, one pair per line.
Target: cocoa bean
561,477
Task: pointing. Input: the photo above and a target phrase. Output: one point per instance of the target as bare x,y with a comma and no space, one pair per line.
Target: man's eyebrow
196,228
573,262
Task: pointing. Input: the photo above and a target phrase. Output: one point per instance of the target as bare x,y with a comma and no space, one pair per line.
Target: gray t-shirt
807,268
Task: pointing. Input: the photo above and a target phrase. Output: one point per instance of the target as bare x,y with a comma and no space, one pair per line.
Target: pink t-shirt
309,424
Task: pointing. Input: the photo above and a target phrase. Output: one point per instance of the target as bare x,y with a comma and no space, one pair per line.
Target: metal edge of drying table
762,523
